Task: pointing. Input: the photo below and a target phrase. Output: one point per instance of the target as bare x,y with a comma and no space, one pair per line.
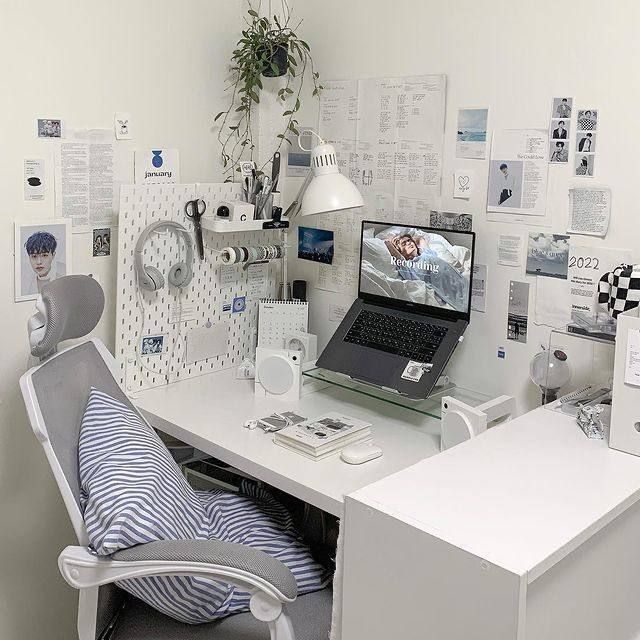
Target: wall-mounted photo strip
518,313
559,128
586,143
42,254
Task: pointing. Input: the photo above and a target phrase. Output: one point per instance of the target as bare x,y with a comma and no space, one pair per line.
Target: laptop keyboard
407,338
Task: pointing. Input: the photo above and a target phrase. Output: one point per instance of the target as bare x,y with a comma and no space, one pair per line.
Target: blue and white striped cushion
133,492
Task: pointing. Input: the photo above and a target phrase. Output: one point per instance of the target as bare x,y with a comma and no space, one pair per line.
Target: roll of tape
228,255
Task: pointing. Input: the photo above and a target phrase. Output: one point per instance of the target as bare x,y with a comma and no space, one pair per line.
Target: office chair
55,394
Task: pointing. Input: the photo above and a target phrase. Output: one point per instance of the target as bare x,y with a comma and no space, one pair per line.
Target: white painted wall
81,60
513,57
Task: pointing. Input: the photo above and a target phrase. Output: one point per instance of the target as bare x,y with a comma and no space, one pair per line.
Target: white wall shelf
227,226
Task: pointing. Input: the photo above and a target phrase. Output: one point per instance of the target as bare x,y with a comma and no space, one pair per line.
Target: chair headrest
68,307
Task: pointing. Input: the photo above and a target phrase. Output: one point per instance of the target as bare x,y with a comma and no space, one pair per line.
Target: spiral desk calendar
279,318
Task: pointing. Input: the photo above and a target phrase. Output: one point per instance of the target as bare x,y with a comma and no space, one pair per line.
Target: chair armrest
215,552
246,568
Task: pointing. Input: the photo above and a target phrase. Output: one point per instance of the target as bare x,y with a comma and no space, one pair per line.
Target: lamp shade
328,190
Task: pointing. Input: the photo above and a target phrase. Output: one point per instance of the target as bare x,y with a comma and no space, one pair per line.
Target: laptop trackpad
379,368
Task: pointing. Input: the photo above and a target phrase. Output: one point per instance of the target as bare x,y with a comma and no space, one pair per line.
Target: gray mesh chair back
62,386
73,305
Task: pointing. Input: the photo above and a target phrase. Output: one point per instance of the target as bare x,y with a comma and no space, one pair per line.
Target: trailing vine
269,47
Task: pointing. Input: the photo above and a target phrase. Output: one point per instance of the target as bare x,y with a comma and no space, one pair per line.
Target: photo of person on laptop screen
416,265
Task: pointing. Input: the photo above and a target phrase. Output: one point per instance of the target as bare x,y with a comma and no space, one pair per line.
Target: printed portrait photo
505,183
559,151
586,141
584,164
588,119
560,129
562,108
42,254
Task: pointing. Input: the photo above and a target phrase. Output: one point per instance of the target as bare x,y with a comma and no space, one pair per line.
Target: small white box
239,211
302,341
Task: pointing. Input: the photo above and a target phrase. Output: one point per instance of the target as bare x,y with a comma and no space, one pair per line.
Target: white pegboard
202,300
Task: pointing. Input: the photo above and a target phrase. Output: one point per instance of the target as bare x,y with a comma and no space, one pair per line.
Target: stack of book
324,436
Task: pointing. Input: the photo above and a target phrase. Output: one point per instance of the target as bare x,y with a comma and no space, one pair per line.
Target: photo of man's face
41,248
407,247
41,263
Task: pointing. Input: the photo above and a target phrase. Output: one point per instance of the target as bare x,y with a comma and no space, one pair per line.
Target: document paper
389,136
85,178
518,172
632,366
589,211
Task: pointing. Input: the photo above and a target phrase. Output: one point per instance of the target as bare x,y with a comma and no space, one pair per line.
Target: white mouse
360,453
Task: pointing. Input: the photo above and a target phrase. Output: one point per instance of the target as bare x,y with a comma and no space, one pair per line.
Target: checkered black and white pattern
620,289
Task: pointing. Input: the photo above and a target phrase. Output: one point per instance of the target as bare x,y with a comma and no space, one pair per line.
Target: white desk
528,531
208,413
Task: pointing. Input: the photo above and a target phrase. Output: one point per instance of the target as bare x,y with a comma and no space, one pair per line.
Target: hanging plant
269,47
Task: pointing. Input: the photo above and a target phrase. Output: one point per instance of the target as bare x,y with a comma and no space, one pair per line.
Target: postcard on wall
586,266
589,211
451,221
464,183
50,128
471,137
34,185
299,156
518,313
157,166
316,245
101,242
509,250
548,255
518,172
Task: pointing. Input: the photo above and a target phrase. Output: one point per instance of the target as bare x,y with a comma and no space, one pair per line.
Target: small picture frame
152,345
42,253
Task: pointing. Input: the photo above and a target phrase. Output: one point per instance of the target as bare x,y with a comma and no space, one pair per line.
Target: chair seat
310,616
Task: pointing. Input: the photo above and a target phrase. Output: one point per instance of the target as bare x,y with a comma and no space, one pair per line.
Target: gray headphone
180,274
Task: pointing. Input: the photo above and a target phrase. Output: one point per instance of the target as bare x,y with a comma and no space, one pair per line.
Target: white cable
141,364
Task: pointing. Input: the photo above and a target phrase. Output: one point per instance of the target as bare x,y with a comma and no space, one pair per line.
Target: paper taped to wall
479,288
510,250
85,179
589,211
518,172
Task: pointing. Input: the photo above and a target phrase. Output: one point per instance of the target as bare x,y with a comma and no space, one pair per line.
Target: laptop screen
419,266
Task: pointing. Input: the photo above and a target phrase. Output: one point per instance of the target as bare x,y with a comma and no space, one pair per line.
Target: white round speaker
276,372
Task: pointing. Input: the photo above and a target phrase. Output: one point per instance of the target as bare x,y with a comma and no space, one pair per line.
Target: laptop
413,306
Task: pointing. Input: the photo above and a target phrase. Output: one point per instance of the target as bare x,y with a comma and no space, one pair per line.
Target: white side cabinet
527,532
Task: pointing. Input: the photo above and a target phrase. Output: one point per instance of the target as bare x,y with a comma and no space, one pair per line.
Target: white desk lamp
324,190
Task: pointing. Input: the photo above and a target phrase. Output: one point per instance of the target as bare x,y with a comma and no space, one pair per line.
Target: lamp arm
294,208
